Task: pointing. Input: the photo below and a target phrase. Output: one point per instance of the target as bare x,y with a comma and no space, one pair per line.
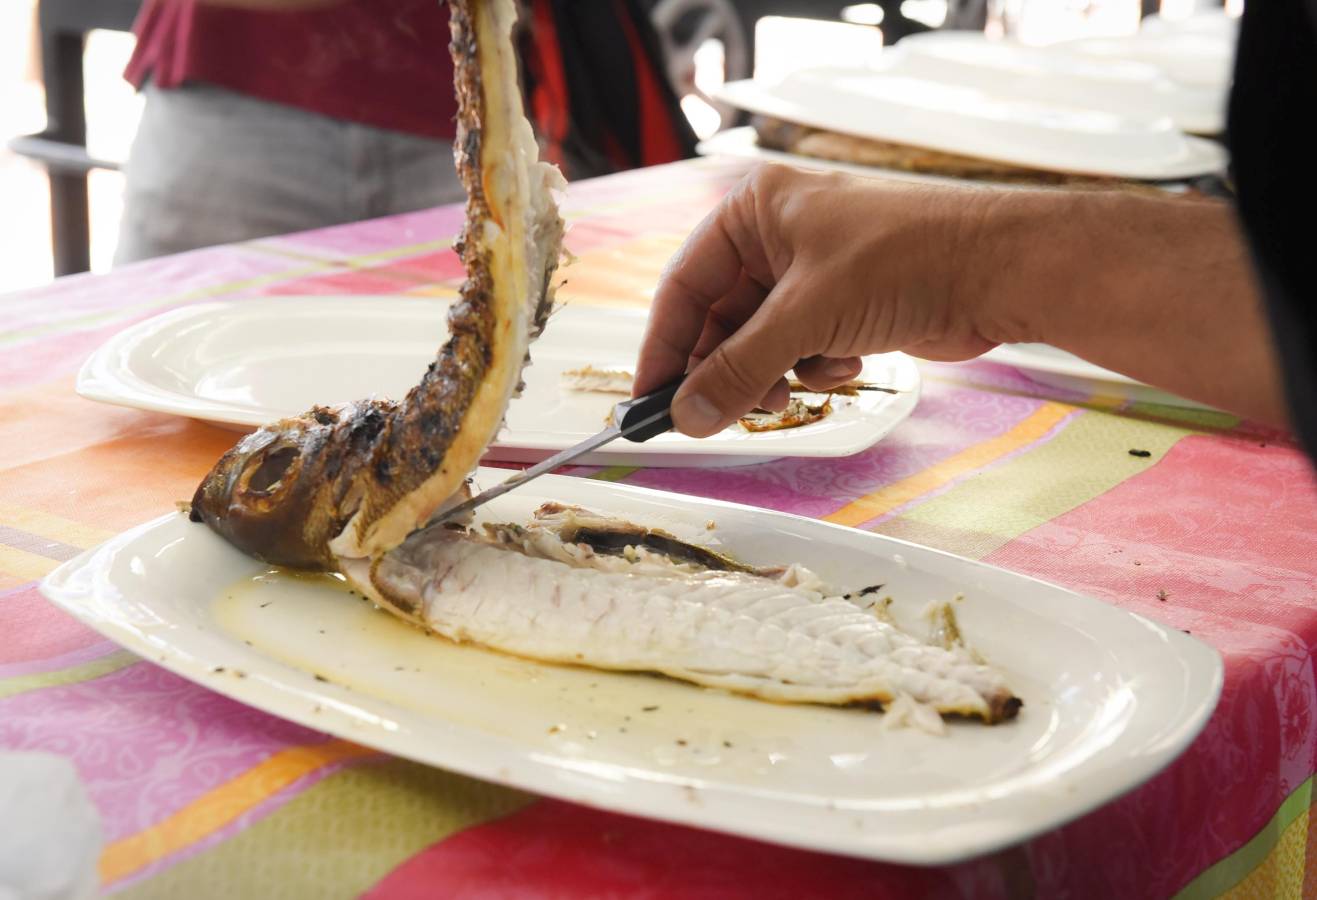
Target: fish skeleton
581,588
347,488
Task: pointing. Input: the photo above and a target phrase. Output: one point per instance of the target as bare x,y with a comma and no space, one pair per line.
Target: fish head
273,494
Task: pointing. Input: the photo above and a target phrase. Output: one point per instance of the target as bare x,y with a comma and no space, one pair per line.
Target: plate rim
652,797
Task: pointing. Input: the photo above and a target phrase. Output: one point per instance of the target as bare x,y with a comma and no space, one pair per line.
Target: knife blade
637,420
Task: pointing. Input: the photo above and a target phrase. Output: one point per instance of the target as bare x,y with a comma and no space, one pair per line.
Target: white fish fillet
775,634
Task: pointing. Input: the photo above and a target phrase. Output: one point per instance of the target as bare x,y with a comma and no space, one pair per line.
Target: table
1214,532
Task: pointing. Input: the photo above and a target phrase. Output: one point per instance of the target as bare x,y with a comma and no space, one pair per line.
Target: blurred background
112,113
704,42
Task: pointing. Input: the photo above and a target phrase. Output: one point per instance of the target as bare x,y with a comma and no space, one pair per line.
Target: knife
638,419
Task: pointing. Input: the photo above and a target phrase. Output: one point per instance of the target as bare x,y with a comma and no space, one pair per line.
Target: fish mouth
250,497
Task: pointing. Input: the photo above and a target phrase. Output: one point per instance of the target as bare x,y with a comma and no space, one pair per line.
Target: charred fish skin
510,248
353,482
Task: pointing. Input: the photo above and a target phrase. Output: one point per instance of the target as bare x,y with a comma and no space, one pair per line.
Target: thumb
740,371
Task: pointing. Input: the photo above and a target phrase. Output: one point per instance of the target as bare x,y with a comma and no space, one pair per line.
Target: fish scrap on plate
797,413
353,488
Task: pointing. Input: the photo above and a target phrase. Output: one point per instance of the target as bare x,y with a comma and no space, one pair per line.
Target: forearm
1161,290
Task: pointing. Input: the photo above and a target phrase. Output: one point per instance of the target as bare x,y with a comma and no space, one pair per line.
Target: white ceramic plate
1110,697
1058,76
955,118
1057,368
742,142
246,362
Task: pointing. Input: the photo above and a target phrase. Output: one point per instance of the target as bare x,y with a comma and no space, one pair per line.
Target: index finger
704,270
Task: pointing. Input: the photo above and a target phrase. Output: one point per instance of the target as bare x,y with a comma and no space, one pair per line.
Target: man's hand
811,271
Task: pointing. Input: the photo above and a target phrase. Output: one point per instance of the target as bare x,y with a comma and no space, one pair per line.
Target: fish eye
271,470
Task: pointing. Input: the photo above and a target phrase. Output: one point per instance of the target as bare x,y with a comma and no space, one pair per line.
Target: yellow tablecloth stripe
899,493
56,528
221,805
22,567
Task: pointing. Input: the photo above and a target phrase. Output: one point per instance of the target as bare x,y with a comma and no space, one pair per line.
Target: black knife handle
629,412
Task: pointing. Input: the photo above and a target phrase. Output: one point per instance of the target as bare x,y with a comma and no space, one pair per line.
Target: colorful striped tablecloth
1214,532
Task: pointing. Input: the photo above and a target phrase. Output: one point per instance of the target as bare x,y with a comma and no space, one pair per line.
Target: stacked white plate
1086,108
973,121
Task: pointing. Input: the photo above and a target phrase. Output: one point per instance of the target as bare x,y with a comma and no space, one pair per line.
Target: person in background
1207,299
271,116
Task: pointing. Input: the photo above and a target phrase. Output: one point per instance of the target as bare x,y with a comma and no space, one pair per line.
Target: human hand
811,271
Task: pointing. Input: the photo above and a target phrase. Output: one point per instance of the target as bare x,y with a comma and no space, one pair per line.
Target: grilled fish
347,488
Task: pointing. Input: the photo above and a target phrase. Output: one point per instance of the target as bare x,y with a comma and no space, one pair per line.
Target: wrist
1015,259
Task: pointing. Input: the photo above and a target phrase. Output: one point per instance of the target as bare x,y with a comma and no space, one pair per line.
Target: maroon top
379,62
